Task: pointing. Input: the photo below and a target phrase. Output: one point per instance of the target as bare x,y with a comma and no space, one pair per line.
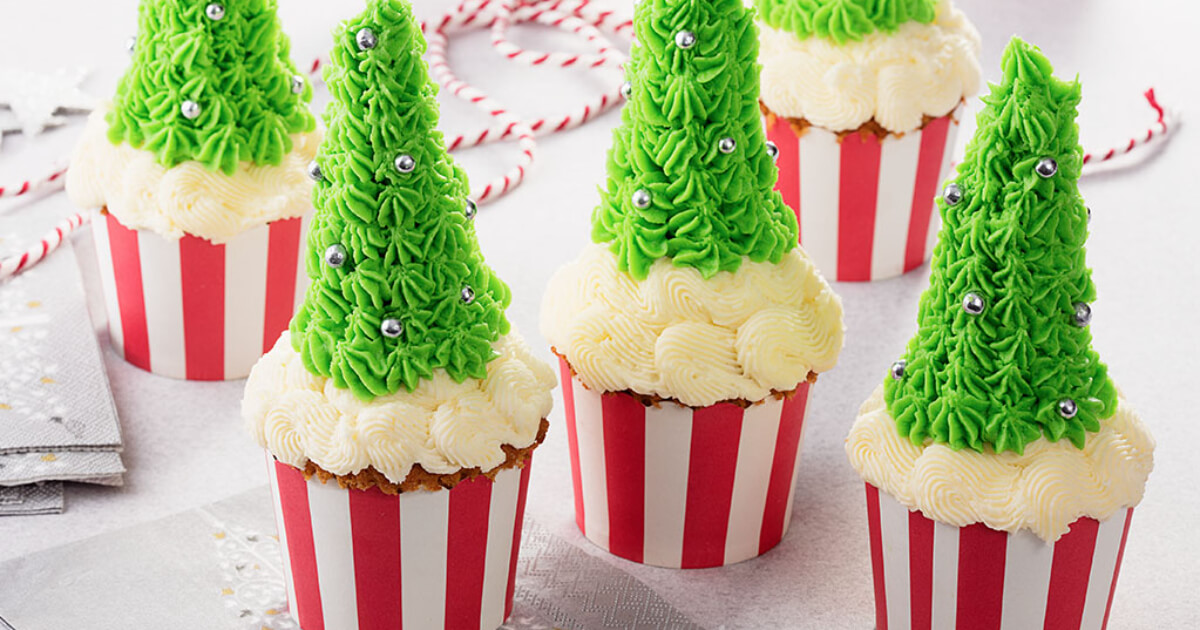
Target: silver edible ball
727,145
391,328
297,84
405,163
973,304
1046,167
468,295
1083,314
641,198
685,39
898,369
772,150
1067,408
190,110
366,39
472,210
335,255
626,89
215,11
952,194
314,171
131,44
1089,209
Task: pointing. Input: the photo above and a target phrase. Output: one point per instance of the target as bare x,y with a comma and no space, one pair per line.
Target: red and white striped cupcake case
932,575
193,310
865,205
677,487
365,560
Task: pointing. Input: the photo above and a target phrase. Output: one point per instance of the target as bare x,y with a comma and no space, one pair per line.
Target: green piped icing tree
400,288
843,20
211,82
1002,354
689,174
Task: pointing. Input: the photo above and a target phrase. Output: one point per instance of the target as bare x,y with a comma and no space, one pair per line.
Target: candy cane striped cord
35,253
1159,132
52,181
568,19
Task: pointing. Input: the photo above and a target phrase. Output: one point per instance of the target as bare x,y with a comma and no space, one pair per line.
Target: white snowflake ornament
39,101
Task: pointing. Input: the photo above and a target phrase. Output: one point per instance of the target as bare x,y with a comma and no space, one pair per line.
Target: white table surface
184,444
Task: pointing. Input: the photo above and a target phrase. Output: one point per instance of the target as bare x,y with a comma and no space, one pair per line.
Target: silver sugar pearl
131,44
405,163
1083,314
190,110
641,198
314,171
391,328
335,255
366,39
1089,215
468,295
772,150
1046,167
297,84
685,39
727,145
215,11
973,304
626,89
952,194
471,210
898,369
1067,408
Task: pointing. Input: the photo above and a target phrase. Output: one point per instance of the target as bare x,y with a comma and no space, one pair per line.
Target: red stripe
568,392
466,556
920,567
783,466
716,431
1069,575
282,256
876,533
624,421
857,192
302,553
788,183
131,298
375,531
203,277
980,576
1117,569
929,171
516,541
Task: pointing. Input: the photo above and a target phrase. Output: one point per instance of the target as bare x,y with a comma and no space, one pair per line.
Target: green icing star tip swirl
400,287
843,21
1001,357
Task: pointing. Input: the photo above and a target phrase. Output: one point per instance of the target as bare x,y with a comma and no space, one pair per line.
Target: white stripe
948,159
898,162
589,427
893,530
245,299
1104,565
282,536
1027,562
820,166
752,479
945,575
502,518
424,529
333,544
668,457
302,280
112,305
162,285
787,515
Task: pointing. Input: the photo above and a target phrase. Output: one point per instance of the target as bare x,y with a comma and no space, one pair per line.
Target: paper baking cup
931,575
865,205
678,487
365,560
193,310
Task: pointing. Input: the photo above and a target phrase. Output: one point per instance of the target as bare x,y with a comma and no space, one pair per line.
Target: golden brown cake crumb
870,128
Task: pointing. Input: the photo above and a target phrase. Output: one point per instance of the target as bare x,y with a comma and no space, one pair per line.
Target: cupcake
400,411
690,332
1002,464
197,168
863,101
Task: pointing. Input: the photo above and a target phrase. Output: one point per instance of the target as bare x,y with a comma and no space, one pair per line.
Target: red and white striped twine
1156,133
34,254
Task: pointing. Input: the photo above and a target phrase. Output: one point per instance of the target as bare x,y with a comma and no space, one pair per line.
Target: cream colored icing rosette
676,335
442,425
188,198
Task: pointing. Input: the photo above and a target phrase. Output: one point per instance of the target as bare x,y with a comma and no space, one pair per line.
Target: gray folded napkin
30,499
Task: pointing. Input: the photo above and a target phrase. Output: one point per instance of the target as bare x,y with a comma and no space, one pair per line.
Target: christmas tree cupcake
1002,464
198,168
690,332
400,412
863,98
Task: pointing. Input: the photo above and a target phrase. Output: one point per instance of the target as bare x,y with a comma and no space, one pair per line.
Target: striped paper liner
932,575
193,310
365,560
865,206
678,487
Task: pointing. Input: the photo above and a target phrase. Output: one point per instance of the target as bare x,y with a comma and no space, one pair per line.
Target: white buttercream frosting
442,425
1044,490
894,78
736,335
188,198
